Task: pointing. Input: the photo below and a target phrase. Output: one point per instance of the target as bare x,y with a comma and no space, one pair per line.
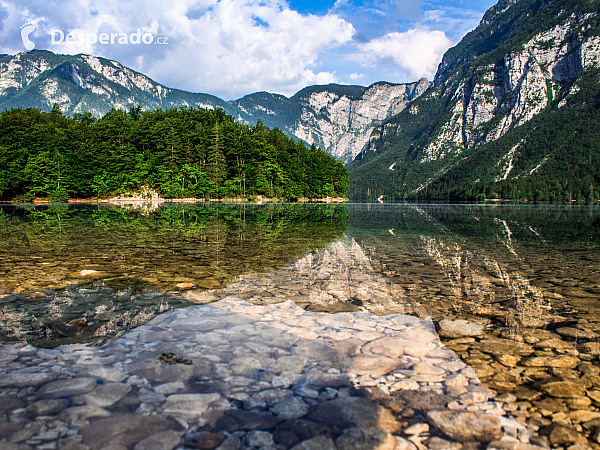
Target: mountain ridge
335,117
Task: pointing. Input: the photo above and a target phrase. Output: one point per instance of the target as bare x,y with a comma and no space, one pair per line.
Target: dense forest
559,153
180,153
565,142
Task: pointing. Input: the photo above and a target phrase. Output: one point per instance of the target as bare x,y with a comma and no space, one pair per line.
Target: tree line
185,152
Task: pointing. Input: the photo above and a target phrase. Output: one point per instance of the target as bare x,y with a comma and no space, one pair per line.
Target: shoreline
160,200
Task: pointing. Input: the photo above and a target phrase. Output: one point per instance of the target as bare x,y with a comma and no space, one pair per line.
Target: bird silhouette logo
26,30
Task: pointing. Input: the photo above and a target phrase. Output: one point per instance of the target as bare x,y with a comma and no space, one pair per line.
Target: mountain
514,112
334,117
84,83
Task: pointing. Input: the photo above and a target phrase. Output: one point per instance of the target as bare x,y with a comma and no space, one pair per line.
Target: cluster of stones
262,377
78,314
525,322
513,356
546,383
536,348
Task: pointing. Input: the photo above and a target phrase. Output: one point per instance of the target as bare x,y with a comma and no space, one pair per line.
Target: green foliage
352,92
58,195
178,152
24,198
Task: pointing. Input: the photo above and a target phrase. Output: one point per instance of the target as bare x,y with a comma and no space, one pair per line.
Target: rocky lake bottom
385,327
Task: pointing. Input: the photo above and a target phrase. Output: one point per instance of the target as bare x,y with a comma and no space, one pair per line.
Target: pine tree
217,165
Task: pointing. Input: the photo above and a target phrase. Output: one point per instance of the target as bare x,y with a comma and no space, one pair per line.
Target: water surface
512,291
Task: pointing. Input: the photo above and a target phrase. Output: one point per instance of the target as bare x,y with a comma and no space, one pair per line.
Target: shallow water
83,273
512,292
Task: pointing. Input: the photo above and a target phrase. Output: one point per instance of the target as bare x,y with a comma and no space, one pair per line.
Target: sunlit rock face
246,374
342,125
518,87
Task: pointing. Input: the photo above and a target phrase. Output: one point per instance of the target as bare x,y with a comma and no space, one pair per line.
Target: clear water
525,278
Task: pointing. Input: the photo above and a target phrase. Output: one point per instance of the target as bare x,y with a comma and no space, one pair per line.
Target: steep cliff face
342,125
336,118
526,59
517,87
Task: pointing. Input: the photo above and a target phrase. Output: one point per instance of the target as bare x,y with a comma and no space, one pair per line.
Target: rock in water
316,443
346,412
25,379
205,440
563,389
106,395
365,439
453,329
190,406
259,439
511,445
466,426
124,430
67,388
290,408
373,365
560,435
166,440
235,419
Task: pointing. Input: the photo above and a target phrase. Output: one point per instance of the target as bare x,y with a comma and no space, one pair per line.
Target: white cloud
231,48
454,22
340,4
228,47
244,46
416,52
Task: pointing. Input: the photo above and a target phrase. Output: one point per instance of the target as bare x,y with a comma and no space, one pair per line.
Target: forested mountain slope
514,113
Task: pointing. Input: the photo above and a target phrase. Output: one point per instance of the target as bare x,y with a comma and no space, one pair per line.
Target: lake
299,326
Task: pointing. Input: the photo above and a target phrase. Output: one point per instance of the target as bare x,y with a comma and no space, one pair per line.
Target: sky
231,48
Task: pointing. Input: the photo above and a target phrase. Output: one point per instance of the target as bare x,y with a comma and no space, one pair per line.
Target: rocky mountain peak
492,13
342,123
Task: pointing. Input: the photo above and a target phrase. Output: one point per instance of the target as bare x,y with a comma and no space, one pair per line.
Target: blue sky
231,48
